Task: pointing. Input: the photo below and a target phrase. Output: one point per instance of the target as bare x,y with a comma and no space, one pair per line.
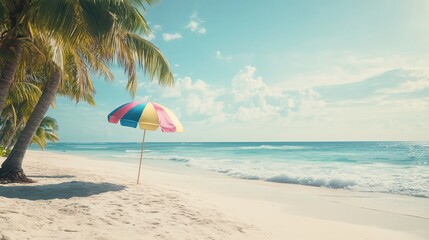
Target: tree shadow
64,190
53,176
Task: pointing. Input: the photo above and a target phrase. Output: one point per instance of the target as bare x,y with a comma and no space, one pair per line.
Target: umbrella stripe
173,118
131,118
113,120
119,112
149,118
164,120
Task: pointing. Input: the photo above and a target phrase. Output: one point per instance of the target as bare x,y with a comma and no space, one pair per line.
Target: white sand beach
79,198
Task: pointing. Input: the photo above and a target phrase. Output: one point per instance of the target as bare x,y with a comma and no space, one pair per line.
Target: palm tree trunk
9,143
11,169
9,70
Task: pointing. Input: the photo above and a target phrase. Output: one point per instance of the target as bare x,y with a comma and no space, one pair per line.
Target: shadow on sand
52,176
63,190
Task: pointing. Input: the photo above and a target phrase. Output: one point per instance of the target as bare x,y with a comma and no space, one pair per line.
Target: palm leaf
46,131
132,50
24,91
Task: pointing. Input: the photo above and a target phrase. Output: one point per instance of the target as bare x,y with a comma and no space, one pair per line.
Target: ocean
387,167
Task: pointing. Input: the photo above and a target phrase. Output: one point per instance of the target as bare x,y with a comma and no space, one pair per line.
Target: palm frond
55,17
49,123
46,132
150,58
23,92
77,83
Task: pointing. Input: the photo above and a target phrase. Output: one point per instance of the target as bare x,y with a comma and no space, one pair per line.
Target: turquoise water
389,167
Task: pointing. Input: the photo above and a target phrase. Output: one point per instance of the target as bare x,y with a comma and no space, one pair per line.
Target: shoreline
173,165
196,205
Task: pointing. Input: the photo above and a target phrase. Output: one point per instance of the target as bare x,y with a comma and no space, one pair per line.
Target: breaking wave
310,181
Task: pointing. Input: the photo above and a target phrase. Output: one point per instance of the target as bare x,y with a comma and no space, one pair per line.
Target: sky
248,70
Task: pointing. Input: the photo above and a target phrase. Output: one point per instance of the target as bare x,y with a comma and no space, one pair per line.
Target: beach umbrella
147,116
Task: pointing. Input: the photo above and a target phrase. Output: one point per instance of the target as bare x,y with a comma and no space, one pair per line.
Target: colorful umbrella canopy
148,116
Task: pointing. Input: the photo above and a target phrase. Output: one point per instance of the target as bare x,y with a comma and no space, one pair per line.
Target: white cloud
156,27
143,98
324,68
245,85
410,86
409,105
171,36
202,30
290,103
195,24
197,100
248,98
150,37
220,56
253,103
254,99
192,25
308,104
246,114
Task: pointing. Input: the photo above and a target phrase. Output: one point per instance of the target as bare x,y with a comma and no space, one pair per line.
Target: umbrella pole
141,155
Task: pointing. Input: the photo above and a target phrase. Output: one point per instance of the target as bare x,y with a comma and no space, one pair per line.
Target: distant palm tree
14,117
16,113
47,130
20,102
122,46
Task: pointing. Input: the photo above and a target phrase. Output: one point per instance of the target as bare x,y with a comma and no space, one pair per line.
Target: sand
80,198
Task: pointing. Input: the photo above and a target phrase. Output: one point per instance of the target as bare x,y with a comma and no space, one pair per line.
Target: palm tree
124,46
11,170
68,74
25,93
22,20
19,105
